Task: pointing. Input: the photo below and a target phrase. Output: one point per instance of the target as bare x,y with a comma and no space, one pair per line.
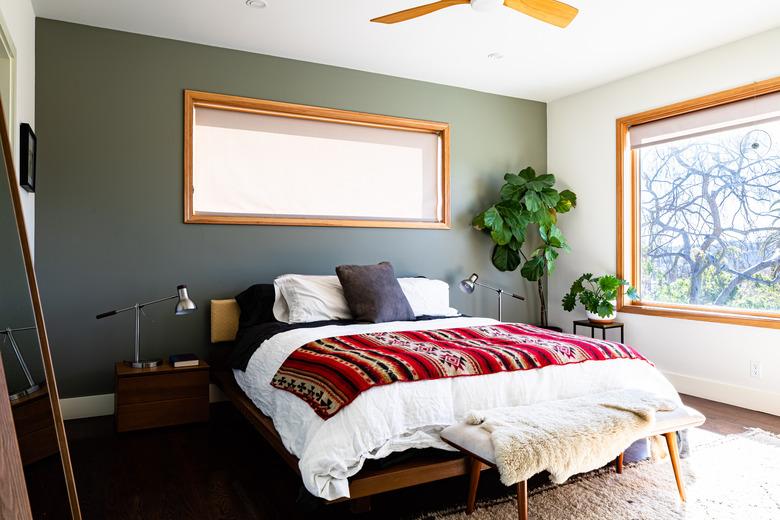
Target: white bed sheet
400,416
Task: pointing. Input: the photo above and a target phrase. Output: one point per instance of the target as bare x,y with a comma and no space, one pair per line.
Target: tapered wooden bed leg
522,500
360,505
619,463
475,469
671,443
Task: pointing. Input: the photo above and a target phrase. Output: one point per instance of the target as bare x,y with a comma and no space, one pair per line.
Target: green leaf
479,221
543,217
550,254
541,182
589,300
512,192
569,301
568,201
533,269
570,196
491,216
608,283
577,287
515,217
532,201
549,197
632,294
501,234
555,236
515,179
505,258
604,308
527,174
563,206
515,244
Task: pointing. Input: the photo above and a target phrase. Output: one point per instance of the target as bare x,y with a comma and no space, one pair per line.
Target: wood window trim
193,99
626,159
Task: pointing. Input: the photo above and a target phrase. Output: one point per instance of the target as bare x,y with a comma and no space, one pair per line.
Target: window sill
765,321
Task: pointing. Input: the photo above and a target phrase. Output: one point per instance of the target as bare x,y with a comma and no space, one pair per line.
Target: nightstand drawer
162,413
160,387
33,415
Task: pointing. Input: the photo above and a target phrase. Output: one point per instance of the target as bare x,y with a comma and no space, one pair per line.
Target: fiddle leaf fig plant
529,206
596,294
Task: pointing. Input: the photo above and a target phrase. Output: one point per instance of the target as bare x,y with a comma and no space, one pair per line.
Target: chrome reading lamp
469,284
183,306
33,386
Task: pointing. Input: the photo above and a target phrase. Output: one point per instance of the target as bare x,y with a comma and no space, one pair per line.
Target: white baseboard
97,405
742,396
87,406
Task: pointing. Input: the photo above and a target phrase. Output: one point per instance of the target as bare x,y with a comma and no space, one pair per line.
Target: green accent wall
109,214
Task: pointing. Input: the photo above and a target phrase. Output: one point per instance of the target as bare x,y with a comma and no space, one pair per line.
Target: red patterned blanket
330,373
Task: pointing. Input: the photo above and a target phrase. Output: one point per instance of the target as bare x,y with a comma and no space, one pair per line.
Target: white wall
19,20
703,359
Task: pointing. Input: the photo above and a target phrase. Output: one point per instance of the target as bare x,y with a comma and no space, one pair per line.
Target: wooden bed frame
363,485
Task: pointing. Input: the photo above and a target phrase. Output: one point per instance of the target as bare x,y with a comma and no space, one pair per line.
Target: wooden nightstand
160,396
34,425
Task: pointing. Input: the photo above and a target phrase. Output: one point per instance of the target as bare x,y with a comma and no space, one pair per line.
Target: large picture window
699,207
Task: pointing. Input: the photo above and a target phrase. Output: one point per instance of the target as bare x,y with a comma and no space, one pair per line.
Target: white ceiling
609,39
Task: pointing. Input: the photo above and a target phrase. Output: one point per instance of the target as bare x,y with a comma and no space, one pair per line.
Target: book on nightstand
184,360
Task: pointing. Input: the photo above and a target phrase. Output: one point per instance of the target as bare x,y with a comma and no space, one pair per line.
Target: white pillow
304,298
428,297
281,310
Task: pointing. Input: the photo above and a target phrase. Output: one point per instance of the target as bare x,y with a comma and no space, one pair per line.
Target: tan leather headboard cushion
224,320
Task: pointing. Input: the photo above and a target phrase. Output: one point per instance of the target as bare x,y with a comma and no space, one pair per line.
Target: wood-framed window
260,162
698,207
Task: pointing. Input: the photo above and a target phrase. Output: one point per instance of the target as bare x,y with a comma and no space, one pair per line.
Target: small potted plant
598,295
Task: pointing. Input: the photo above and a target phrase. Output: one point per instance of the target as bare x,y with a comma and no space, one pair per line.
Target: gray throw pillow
373,293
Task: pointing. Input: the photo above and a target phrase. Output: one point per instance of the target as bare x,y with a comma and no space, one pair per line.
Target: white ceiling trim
608,40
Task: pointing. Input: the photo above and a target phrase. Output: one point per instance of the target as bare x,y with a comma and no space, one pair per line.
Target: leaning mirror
26,359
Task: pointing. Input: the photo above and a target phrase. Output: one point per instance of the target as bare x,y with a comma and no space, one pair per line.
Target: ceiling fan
549,11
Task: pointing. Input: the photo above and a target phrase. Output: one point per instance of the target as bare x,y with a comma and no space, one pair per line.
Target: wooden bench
475,442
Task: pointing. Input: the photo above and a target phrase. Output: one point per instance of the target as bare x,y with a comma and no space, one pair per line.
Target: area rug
726,477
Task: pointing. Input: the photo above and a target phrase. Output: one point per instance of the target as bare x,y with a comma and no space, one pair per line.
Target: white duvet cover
400,416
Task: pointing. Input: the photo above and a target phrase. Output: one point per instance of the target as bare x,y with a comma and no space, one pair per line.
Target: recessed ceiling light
257,4
495,56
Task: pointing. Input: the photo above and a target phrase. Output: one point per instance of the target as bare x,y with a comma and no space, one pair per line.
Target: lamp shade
468,285
184,305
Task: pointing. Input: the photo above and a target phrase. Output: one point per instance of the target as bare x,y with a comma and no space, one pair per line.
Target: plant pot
595,318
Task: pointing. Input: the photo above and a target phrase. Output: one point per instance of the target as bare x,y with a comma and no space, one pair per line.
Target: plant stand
603,326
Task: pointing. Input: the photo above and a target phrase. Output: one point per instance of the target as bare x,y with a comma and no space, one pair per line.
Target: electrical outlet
755,369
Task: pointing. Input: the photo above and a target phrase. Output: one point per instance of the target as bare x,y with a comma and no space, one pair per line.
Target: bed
330,455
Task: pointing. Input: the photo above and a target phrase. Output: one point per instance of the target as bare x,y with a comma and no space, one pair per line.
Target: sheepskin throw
568,436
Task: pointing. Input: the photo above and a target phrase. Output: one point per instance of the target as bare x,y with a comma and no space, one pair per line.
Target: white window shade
746,112
258,165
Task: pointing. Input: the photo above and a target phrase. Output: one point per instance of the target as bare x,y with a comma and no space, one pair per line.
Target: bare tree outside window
710,219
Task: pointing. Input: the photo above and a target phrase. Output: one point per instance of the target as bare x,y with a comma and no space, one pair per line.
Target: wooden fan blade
550,11
414,12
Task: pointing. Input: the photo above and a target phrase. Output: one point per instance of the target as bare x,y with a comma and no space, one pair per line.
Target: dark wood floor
224,470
